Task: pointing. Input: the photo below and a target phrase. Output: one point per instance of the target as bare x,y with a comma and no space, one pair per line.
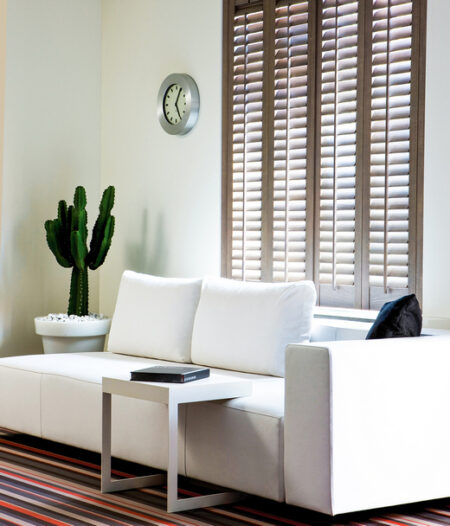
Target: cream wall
168,187
52,143
436,250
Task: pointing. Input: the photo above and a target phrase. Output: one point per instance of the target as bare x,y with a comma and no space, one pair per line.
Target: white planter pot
72,335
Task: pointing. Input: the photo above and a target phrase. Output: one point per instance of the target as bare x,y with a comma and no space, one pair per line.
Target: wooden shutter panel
290,141
246,221
390,147
336,153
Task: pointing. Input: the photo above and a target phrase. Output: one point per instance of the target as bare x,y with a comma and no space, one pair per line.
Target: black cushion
397,319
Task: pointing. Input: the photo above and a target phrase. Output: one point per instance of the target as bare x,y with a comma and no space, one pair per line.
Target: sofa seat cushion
246,326
154,317
87,367
58,397
238,443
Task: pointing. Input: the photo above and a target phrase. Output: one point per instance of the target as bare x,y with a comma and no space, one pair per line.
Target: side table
216,387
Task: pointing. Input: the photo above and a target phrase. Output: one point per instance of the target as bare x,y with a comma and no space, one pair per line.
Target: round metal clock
178,104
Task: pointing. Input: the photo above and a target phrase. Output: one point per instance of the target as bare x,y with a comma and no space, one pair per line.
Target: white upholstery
65,406
154,317
366,423
20,399
326,330
239,443
245,326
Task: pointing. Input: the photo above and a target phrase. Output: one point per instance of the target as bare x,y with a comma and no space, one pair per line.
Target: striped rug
42,482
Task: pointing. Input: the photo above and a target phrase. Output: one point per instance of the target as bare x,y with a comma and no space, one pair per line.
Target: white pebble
62,318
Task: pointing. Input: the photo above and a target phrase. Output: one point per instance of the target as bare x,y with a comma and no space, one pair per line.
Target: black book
175,374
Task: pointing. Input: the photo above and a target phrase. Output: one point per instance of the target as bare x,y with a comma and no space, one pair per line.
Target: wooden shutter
323,145
336,151
290,141
246,184
390,151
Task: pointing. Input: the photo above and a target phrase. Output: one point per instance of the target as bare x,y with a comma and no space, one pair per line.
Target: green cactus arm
64,234
79,222
62,213
83,226
98,233
53,229
105,244
79,214
68,227
78,249
79,199
107,201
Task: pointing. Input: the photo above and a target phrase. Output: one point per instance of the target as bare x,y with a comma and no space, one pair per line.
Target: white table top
215,387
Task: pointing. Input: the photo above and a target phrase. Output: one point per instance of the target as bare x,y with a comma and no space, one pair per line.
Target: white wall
66,60
52,144
436,250
167,187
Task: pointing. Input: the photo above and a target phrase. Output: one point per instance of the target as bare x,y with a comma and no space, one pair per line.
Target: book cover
175,374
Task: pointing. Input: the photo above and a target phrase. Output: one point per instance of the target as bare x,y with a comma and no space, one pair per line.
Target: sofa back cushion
245,326
154,317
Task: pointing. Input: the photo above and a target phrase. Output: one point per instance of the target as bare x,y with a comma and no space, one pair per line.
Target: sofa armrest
367,423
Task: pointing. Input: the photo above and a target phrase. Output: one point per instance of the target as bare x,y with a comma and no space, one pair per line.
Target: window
322,145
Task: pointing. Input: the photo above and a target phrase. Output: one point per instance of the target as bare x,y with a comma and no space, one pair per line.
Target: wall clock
178,104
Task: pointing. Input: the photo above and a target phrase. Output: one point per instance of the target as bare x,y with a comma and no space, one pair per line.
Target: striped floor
46,483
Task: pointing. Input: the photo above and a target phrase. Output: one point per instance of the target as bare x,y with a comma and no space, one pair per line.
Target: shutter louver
290,141
247,146
390,149
338,118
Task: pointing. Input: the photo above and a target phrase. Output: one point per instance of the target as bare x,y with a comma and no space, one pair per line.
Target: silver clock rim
192,103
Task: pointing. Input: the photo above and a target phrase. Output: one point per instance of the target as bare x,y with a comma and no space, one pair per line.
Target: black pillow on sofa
397,319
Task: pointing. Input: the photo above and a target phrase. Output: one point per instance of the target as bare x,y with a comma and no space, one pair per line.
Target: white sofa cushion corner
245,326
154,317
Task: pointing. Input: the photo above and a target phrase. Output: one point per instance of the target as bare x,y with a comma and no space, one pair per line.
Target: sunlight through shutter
247,145
290,141
390,148
337,153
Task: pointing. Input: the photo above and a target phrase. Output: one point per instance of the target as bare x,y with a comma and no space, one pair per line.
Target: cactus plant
67,239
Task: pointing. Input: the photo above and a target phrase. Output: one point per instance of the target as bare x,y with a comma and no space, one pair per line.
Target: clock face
178,104
174,102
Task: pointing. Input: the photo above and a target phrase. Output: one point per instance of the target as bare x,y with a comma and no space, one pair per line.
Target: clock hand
178,96
176,103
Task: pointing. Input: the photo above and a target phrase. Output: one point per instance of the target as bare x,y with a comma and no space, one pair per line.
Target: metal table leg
107,483
175,504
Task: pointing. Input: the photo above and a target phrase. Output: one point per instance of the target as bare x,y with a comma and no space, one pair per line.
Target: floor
43,482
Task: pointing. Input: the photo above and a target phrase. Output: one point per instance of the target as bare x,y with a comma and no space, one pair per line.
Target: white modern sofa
333,426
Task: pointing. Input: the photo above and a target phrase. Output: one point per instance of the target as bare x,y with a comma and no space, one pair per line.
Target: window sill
340,313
